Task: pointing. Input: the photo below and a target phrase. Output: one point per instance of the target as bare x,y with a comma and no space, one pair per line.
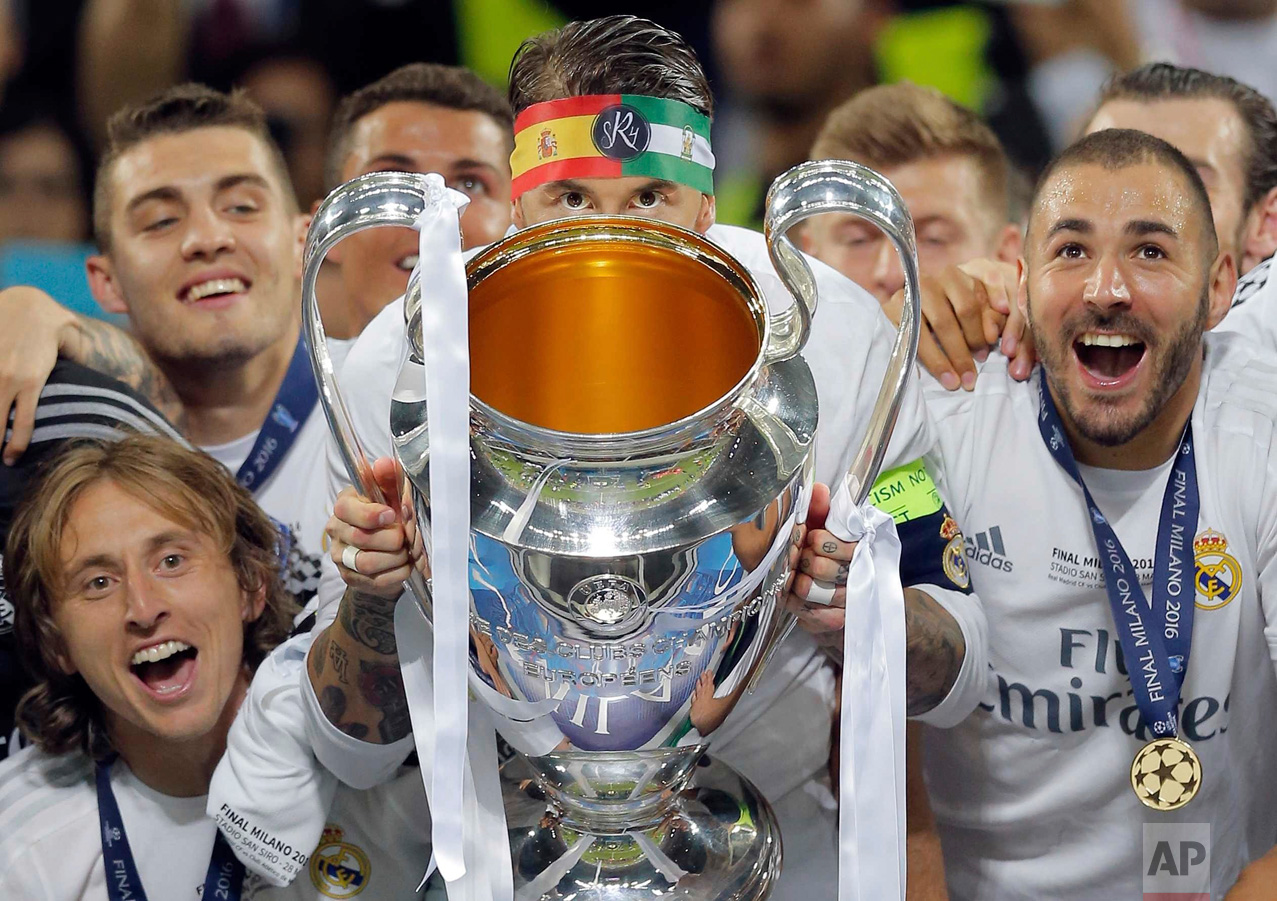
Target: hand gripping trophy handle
381,198
841,186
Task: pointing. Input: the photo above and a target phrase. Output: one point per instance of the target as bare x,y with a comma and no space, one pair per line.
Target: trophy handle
841,186
381,198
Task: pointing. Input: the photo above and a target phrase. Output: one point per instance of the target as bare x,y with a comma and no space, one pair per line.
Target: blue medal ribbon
225,877
294,402
1155,637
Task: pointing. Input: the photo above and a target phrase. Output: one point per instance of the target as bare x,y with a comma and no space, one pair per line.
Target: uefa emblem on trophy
641,437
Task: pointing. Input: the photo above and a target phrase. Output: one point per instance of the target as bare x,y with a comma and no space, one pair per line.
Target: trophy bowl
641,437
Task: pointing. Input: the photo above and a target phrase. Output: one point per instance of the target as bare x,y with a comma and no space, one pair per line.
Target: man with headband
612,118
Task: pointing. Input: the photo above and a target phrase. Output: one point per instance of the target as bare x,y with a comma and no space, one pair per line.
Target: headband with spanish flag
609,136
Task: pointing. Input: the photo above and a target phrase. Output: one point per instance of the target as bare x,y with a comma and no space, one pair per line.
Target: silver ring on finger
350,558
821,593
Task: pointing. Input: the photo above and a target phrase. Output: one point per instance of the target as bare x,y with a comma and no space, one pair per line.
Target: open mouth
408,262
214,289
166,669
1108,358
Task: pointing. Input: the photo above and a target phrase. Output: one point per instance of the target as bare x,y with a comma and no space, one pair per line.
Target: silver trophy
642,431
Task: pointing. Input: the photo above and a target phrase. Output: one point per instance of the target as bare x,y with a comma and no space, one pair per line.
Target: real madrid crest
1218,575
954,559
339,869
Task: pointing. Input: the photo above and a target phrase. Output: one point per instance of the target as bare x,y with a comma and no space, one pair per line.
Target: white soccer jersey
374,842
1032,792
1254,308
51,838
295,493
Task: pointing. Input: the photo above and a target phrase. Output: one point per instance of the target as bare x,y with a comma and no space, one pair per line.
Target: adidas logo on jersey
987,548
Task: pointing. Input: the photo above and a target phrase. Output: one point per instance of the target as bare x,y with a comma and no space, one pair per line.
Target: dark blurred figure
10,47
784,65
298,97
41,178
44,221
1076,45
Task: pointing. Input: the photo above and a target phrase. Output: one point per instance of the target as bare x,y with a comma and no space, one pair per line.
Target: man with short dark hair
1226,128
422,117
602,58
1119,516
200,244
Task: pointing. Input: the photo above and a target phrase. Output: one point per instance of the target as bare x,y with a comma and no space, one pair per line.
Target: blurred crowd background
1030,67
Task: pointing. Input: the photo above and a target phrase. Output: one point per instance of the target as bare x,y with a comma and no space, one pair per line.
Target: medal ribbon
225,877
294,401
1154,644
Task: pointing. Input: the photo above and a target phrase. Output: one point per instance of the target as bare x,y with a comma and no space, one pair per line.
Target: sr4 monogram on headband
609,136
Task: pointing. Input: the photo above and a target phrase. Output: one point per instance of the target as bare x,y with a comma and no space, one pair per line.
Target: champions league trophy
641,437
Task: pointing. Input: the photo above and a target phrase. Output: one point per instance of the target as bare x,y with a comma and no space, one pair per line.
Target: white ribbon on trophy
871,789
455,738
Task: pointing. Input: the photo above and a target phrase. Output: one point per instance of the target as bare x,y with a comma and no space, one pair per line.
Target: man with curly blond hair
147,594
146,591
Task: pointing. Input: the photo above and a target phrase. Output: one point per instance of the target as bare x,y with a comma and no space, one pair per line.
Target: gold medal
1166,774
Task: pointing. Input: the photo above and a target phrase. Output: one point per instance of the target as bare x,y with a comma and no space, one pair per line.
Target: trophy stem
716,840
612,792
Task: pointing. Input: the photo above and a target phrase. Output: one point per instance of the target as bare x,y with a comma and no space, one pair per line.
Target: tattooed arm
114,352
934,650
935,642
37,330
354,669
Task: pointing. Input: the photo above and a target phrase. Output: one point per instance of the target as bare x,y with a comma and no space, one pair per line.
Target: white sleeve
865,338
848,353
967,609
269,795
328,595
1266,552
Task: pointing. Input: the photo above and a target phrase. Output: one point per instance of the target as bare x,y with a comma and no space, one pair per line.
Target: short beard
208,361
1183,348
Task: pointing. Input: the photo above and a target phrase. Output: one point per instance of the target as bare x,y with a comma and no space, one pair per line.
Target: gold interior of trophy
605,337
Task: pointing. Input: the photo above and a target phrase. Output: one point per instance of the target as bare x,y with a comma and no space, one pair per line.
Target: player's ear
103,284
1009,244
1259,241
705,216
1223,282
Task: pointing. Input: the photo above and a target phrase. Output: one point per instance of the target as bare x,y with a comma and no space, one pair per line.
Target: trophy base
719,842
